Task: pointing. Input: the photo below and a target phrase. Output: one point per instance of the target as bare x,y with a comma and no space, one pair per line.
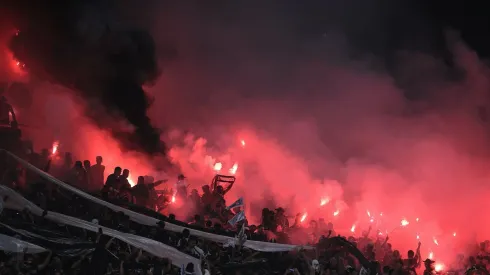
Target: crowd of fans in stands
99,254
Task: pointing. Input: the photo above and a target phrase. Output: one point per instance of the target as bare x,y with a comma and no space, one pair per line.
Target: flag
242,237
237,218
237,203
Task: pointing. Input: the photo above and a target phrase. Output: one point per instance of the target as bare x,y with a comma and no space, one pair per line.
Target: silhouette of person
97,172
6,112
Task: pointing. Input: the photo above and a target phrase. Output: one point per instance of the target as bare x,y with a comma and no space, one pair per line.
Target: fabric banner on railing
19,203
64,246
145,220
13,245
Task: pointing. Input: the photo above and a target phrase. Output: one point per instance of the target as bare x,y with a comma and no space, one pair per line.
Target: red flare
303,218
54,149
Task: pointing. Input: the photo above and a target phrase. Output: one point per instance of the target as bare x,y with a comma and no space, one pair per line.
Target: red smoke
313,130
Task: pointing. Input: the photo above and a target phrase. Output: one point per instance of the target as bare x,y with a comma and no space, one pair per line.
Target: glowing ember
243,143
438,267
233,169
303,218
404,223
54,148
436,242
368,213
431,255
454,234
336,213
353,228
324,201
217,167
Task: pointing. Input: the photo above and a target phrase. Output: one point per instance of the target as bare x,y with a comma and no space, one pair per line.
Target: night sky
275,29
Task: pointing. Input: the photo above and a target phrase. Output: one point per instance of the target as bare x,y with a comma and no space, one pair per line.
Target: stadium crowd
72,250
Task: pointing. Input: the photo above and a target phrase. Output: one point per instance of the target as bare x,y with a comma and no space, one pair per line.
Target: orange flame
303,218
336,213
353,228
54,149
404,223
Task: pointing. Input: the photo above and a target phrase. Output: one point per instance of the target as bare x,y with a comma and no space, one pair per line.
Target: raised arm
228,188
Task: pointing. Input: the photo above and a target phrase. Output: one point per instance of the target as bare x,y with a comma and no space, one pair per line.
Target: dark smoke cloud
84,46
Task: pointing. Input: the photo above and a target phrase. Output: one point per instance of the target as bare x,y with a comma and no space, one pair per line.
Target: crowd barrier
17,202
13,245
145,220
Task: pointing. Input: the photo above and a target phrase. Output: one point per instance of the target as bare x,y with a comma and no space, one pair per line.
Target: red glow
353,228
439,267
303,218
54,148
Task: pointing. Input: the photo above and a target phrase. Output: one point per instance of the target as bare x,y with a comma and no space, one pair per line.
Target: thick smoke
83,46
398,132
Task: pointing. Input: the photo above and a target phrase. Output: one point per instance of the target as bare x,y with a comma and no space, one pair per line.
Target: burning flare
54,148
324,201
173,198
217,166
438,267
431,255
336,213
404,223
353,228
242,142
436,242
454,234
368,213
233,169
303,218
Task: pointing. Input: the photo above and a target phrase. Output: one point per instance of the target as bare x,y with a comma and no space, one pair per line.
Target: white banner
11,244
17,202
142,219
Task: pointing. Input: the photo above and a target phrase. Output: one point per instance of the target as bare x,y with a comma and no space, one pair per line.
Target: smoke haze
322,113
